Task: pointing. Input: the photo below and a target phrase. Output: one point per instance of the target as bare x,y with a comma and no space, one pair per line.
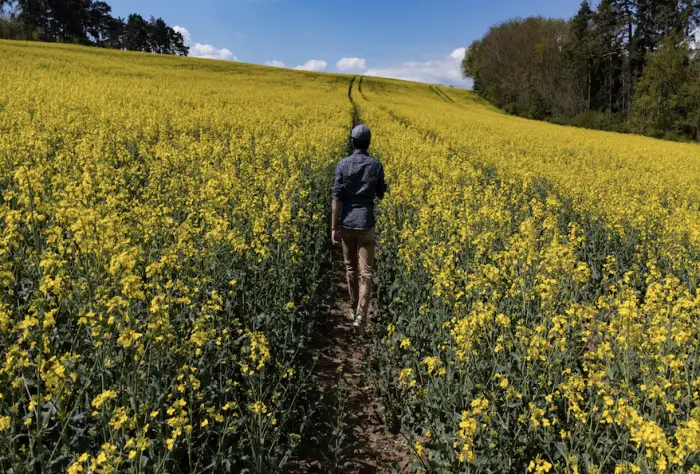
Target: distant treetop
87,22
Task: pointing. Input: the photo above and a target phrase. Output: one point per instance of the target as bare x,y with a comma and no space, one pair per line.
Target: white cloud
185,34
458,54
313,65
199,50
350,64
275,63
436,71
210,52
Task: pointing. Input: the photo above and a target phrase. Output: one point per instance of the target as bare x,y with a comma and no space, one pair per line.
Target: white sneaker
359,326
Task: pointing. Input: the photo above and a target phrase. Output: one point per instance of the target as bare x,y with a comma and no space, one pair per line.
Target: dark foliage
627,65
87,22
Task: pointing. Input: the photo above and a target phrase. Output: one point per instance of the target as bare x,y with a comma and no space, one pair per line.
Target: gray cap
361,132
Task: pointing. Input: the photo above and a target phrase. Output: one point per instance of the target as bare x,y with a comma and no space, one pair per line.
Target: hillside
171,301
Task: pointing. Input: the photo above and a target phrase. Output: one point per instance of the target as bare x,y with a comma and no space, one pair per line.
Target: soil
344,378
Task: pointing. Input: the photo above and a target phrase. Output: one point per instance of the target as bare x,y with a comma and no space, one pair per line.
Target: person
359,179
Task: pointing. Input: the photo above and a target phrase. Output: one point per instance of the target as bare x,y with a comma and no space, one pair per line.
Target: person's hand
336,236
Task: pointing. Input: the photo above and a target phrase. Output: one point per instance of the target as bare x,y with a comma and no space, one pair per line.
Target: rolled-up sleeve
338,191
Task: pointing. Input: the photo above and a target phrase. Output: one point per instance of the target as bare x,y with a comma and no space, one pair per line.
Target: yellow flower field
164,253
163,235
538,285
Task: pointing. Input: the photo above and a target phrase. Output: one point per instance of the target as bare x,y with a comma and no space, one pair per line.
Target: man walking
359,179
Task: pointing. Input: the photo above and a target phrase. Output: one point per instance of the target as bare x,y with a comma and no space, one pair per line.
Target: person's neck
363,151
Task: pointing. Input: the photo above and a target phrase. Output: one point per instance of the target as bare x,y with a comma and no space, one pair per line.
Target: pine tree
580,53
99,19
136,34
611,57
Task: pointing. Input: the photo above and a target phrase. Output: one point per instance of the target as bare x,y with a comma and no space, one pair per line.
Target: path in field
350,401
351,436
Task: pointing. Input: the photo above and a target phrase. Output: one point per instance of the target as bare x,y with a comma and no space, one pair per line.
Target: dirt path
355,438
351,435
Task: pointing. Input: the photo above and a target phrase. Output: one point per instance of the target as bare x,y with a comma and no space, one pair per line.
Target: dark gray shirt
359,179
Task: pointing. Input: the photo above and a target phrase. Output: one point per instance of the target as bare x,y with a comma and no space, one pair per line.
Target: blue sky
408,39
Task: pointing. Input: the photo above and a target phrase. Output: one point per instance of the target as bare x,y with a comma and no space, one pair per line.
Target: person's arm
335,221
338,191
381,185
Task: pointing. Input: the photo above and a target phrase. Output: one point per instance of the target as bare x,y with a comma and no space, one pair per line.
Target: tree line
87,22
623,65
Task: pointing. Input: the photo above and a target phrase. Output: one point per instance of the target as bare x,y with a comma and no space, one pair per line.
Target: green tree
470,66
676,17
177,43
519,65
115,33
691,92
610,60
137,34
88,22
661,104
68,20
99,19
163,39
581,55
34,13
158,36
586,71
